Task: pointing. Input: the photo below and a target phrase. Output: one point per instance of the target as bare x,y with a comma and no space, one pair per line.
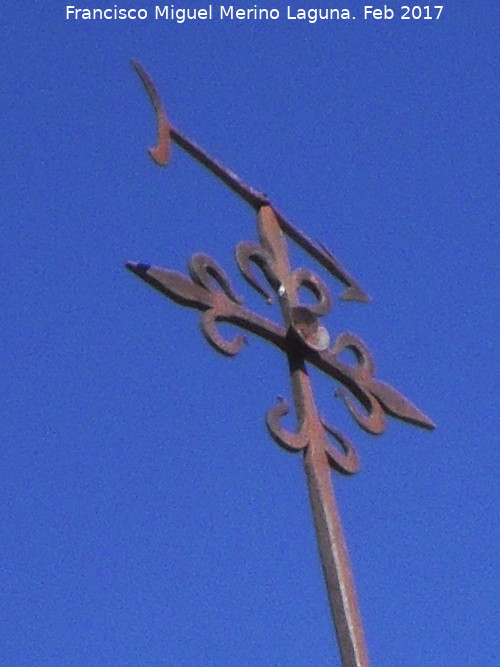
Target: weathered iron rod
334,557
333,551
335,560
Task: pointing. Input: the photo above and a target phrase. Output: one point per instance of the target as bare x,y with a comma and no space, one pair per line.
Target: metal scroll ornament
304,339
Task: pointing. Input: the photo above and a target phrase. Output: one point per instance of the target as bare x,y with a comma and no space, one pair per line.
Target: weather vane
304,340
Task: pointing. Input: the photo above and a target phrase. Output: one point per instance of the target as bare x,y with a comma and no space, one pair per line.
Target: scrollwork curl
347,462
247,253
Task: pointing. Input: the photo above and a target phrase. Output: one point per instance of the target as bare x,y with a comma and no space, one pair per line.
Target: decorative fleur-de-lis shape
209,289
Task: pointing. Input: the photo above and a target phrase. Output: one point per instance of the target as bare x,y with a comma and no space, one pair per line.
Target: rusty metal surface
304,339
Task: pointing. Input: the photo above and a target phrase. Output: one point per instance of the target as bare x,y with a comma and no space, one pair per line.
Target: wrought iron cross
304,340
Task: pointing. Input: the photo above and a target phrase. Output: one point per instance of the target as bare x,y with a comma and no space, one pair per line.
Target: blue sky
148,519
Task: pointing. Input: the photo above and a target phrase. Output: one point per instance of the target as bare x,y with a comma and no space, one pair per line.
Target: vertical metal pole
337,571
333,552
335,560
